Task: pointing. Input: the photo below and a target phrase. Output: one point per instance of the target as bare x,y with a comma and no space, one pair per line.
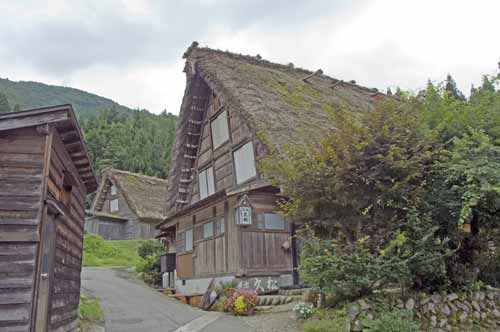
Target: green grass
89,312
100,252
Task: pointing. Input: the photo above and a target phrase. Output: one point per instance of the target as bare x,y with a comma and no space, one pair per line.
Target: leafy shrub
327,321
396,321
303,310
150,270
241,302
348,274
150,247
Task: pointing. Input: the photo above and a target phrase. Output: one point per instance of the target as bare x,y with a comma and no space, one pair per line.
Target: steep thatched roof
280,104
145,195
284,103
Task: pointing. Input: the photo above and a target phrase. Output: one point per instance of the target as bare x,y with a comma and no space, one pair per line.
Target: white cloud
131,51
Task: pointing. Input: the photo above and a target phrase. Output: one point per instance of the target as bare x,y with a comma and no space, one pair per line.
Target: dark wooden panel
185,265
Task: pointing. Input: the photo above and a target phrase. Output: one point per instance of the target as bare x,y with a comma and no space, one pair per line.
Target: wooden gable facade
45,173
223,217
127,206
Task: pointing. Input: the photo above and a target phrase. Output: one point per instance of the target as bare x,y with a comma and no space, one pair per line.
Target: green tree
451,90
4,103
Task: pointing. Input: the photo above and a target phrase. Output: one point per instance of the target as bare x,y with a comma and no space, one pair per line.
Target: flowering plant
241,302
303,310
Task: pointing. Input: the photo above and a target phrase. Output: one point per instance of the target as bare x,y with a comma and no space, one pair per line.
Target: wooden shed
223,217
127,206
45,173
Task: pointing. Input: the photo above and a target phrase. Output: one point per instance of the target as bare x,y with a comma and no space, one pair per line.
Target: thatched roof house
222,218
275,103
127,205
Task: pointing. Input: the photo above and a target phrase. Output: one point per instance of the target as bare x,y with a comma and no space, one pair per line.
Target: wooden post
295,256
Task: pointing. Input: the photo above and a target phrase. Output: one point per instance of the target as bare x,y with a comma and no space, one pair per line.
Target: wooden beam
32,120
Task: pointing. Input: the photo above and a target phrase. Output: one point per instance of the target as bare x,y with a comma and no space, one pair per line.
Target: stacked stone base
438,312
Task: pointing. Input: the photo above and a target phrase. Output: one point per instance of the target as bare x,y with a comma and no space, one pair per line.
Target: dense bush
392,322
150,270
241,302
348,275
150,247
150,267
388,193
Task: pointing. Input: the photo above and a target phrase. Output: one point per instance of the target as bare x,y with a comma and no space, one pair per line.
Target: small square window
244,163
206,182
208,230
271,221
113,205
220,130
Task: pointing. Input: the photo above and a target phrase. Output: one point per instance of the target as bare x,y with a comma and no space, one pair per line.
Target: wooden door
47,247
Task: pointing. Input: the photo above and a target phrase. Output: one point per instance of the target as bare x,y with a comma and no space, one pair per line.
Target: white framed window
188,240
113,189
220,130
244,163
113,205
206,182
271,221
208,230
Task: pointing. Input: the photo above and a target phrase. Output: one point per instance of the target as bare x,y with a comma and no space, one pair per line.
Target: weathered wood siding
108,229
131,229
65,283
21,174
261,250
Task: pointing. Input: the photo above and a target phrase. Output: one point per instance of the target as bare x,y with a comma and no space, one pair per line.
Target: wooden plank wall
221,159
69,244
261,249
21,173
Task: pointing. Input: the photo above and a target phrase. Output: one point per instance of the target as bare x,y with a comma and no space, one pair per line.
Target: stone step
271,300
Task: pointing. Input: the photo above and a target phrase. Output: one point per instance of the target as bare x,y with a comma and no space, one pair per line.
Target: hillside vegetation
34,94
116,136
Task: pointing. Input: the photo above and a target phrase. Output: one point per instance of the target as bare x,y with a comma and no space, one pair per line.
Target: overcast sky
131,51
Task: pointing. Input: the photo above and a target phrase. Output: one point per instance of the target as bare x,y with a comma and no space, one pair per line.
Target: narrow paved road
131,306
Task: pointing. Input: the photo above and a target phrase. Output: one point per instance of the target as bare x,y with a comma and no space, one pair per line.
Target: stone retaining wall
451,312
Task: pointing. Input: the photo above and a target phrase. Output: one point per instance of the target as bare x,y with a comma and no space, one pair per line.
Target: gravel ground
278,319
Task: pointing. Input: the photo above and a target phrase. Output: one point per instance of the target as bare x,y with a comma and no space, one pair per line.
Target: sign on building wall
261,285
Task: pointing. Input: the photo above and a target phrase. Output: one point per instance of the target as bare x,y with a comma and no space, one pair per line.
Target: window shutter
208,229
210,181
244,163
113,205
189,239
220,130
202,181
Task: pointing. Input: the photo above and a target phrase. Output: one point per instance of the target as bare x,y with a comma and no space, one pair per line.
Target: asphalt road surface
131,306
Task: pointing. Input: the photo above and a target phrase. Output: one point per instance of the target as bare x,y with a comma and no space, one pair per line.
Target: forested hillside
26,95
117,136
139,143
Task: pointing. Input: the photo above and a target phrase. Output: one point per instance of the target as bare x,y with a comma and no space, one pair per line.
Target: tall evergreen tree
4,103
450,88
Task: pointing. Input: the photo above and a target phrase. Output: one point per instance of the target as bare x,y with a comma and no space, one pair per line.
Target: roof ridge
258,60
114,170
